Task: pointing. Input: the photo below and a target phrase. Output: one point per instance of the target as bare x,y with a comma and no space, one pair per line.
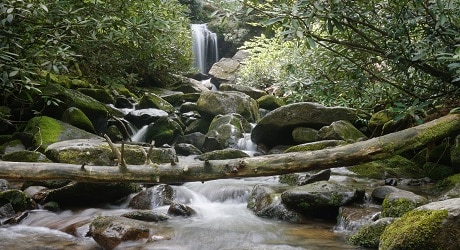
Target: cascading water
205,47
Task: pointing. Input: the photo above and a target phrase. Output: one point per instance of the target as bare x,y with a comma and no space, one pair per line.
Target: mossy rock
11,146
341,130
47,130
455,154
396,166
304,135
150,100
415,230
397,204
102,95
318,145
369,235
164,131
270,102
382,123
437,171
76,117
65,80
228,153
19,200
25,156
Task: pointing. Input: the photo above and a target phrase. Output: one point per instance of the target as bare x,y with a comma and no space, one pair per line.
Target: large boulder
97,152
163,131
227,130
276,127
46,130
341,130
150,100
143,117
250,91
159,195
400,202
432,226
321,199
224,71
76,117
213,103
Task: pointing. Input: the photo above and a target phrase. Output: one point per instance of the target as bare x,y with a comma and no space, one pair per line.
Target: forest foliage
357,53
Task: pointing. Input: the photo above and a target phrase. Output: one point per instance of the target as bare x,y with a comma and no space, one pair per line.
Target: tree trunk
185,171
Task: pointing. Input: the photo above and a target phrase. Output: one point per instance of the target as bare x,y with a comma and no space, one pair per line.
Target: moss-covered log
364,151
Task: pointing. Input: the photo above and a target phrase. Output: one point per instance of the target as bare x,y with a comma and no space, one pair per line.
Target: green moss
415,230
368,236
45,130
19,200
312,146
397,207
396,166
77,118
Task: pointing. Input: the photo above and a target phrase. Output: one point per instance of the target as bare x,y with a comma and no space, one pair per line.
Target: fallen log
186,171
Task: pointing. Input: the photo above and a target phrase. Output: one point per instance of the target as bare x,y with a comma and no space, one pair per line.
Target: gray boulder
213,103
321,199
250,91
143,117
341,130
224,71
276,127
227,130
153,197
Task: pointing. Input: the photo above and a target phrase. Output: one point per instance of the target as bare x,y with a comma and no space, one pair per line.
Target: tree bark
186,171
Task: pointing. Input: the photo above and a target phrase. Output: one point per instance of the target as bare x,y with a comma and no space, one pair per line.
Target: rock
437,171
76,117
18,199
341,130
266,203
6,210
250,91
227,130
82,193
318,145
270,102
304,135
93,109
400,202
163,131
123,102
150,100
47,130
159,195
321,199
369,235
224,71
25,156
379,193
199,125
102,95
197,139
189,85
51,206
276,127
4,185
143,117
11,147
186,149
178,209
213,103
455,154
323,175
352,218
393,167
435,225
223,154
97,152
110,231
146,215
382,123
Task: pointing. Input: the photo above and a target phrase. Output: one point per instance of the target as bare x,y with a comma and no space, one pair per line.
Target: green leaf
273,20
9,18
44,7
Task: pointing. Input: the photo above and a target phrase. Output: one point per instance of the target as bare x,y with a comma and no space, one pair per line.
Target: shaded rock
25,156
6,210
270,102
318,145
18,199
400,202
276,127
341,130
214,103
12,146
82,193
379,193
51,206
199,125
228,153
189,85
323,175
321,199
102,95
146,215
432,226
304,135
369,235
4,185
186,149
47,130
177,209
197,139
163,131
97,152
76,117
437,171
395,167
250,91
159,195
382,123
124,102
143,117
227,130
150,100
455,154
266,203
93,109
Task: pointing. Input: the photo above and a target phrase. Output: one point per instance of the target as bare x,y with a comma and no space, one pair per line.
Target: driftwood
183,171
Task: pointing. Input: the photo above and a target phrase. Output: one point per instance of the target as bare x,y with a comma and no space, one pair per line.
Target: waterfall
204,47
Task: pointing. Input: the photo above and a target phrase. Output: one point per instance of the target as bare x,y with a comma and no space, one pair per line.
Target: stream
222,222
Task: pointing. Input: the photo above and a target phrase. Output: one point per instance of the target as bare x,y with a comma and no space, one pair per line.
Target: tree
411,45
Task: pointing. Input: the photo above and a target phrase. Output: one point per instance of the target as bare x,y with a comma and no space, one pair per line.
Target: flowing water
205,48
222,222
